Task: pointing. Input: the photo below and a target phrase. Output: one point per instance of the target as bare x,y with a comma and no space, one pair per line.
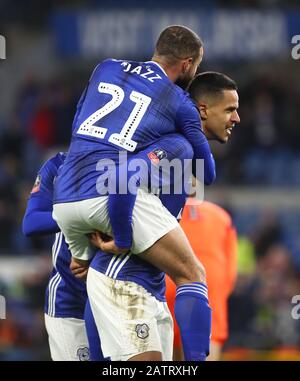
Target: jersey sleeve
38,219
43,185
38,215
120,209
188,123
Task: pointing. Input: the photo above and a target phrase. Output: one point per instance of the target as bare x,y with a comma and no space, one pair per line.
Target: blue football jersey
126,106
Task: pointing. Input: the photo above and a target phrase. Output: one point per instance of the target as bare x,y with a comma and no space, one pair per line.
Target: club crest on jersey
142,331
37,184
83,354
157,155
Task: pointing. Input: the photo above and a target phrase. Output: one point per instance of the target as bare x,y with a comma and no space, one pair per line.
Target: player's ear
186,64
202,107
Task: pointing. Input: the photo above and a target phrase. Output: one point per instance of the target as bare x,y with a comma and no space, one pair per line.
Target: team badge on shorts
142,331
157,155
83,354
37,184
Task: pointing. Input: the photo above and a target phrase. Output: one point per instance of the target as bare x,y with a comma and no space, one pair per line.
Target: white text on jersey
140,70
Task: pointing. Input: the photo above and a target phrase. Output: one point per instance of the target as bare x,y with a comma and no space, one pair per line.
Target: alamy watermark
153,172
296,309
2,307
296,49
2,47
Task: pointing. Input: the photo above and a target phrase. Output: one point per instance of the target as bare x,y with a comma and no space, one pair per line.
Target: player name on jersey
141,71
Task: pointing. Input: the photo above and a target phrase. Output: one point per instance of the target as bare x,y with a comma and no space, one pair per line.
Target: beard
220,139
184,82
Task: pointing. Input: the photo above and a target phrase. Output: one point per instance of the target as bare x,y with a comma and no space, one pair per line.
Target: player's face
221,116
189,70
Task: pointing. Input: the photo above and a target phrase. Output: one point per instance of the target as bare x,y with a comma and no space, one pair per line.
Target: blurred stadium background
51,48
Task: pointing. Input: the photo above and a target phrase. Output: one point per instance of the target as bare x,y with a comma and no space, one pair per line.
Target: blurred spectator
268,232
43,124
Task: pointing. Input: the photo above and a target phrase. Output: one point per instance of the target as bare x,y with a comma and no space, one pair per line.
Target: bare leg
173,254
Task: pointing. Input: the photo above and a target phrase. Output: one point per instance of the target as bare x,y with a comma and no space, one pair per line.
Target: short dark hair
211,84
178,42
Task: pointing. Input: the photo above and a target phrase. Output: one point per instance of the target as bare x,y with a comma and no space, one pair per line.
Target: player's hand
79,268
108,246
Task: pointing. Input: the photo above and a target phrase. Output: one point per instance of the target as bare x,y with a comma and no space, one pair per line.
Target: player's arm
38,218
120,209
38,215
189,124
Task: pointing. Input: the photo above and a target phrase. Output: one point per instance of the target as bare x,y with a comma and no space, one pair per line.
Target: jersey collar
157,64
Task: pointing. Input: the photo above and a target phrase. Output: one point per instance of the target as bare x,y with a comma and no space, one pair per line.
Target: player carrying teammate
217,98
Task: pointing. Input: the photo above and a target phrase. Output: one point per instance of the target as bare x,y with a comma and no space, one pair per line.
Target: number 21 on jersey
124,137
